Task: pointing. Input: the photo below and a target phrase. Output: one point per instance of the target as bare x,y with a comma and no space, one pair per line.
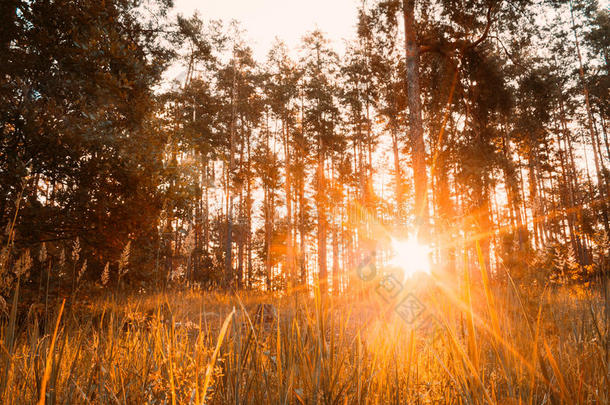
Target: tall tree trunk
418,148
248,231
206,233
266,210
301,199
567,199
322,222
287,187
398,186
534,199
605,133
572,176
302,234
336,281
603,188
513,194
229,241
242,207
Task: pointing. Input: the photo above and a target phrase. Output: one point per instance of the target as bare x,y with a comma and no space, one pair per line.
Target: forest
419,214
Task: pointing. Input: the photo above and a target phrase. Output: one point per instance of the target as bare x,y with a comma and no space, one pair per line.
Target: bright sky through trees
288,20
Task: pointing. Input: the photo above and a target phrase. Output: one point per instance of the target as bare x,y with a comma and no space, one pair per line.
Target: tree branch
486,30
449,49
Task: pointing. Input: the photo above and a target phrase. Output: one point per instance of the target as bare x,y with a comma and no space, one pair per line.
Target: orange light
411,257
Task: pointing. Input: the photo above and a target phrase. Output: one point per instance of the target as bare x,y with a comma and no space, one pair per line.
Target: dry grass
488,345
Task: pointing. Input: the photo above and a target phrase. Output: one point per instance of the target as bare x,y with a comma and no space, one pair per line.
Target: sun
410,256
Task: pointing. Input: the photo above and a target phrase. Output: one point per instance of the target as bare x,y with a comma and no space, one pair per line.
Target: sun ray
410,256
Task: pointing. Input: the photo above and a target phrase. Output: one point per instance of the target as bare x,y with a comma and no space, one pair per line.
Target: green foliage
77,119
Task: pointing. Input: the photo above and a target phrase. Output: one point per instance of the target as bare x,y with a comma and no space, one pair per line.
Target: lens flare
411,257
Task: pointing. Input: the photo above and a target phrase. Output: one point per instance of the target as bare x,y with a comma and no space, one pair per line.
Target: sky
288,20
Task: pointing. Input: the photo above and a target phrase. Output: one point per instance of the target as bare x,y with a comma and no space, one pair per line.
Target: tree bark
418,148
229,241
287,187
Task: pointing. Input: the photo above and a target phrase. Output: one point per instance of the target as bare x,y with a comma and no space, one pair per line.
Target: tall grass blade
50,357
210,367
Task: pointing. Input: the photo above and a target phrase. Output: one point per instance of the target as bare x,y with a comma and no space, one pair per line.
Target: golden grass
486,345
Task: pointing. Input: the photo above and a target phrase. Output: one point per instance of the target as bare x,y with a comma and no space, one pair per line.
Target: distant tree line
458,122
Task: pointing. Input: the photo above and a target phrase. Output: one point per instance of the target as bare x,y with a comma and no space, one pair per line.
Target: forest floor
415,344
